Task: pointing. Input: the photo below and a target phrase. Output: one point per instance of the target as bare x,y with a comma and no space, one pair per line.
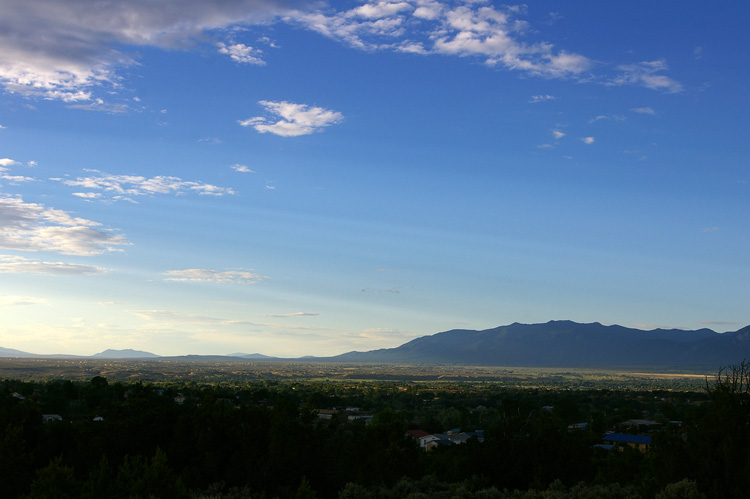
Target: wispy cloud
721,323
646,73
293,314
19,265
239,276
558,134
210,140
588,140
15,301
33,227
541,98
295,119
170,316
614,117
643,110
121,187
14,179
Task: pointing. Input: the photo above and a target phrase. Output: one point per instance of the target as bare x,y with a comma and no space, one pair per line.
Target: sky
310,178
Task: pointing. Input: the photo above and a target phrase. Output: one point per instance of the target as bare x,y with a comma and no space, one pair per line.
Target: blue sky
298,178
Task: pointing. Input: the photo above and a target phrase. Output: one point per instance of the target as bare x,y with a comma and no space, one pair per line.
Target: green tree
55,481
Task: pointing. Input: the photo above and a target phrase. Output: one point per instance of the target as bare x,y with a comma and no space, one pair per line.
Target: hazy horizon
305,178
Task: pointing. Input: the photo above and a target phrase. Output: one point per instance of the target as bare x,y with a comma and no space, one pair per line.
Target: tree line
265,440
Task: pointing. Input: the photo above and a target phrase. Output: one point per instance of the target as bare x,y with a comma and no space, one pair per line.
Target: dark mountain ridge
568,344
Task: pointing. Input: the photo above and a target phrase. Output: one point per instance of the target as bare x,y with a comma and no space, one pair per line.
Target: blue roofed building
640,442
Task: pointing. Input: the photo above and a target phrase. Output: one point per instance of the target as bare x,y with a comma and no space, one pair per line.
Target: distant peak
127,353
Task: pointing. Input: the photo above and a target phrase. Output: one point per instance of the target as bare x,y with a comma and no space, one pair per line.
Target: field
237,372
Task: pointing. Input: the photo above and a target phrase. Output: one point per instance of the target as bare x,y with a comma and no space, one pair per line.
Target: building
640,442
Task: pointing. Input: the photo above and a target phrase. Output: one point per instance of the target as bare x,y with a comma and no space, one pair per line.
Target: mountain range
569,344
551,344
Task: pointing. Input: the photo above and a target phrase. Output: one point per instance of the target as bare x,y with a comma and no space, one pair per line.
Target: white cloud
541,98
615,117
379,10
241,168
428,10
13,178
558,134
88,195
645,73
170,316
474,29
14,301
239,276
588,140
59,50
8,162
241,53
32,227
101,105
122,186
643,110
69,51
18,265
293,314
296,119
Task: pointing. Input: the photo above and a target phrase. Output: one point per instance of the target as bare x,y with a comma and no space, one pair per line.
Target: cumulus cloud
646,73
473,29
33,227
292,120
241,168
59,50
558,134
19,265
241,53
587,140
8,162
239,276
69,51
121,187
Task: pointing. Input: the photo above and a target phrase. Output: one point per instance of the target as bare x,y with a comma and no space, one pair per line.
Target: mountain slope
11,352
568,344
127,353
